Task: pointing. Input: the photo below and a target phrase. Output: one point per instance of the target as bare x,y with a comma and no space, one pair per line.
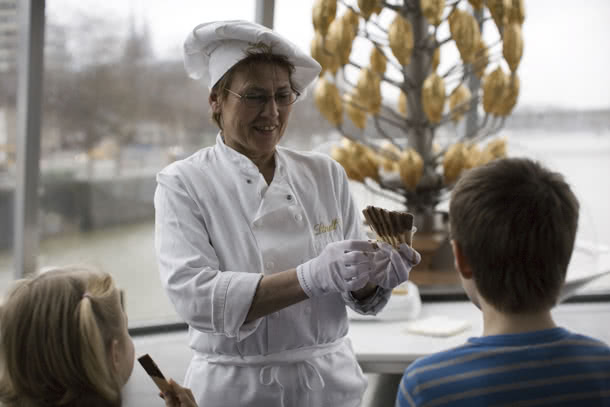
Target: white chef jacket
219,228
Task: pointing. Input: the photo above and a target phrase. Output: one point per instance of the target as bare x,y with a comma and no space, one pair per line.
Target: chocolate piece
376,224
369,220
384,225
405,225
155,374
392,227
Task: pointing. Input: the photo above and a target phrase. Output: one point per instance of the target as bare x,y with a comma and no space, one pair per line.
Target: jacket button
269,265
298,217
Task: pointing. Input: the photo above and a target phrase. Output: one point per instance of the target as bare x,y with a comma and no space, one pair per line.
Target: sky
565,64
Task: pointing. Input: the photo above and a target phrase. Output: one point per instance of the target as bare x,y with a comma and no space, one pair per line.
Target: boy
513,225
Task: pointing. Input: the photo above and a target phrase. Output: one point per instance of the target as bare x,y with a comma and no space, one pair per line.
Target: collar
244,164
524,339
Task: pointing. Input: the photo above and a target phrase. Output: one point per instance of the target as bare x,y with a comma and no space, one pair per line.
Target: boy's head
514,223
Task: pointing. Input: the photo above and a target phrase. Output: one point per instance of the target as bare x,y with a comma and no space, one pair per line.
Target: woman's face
254,131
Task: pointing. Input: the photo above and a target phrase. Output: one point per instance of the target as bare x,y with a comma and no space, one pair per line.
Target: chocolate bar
155,374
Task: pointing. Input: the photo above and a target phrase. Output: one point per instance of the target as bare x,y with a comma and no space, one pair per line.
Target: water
128,251
584,159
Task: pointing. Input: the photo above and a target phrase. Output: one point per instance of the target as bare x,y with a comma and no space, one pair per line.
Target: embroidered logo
322,228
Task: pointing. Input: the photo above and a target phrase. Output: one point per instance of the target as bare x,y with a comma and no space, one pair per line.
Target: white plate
438,325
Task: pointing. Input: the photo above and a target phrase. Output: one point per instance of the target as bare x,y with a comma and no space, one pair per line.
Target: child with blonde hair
64,342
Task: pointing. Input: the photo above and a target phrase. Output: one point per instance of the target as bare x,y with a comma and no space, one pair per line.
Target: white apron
292,377
286,379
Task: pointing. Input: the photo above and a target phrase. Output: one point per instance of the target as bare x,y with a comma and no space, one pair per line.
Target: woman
64,342
258,245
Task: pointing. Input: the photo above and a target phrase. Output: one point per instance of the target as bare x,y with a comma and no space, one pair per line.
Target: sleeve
403,395
352,229
208,299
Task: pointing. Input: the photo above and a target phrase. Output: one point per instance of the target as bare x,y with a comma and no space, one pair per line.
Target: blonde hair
56,330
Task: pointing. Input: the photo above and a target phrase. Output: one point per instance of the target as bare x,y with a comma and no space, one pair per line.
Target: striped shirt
552,367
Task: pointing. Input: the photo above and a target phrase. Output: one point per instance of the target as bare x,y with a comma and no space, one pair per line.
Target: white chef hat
211,49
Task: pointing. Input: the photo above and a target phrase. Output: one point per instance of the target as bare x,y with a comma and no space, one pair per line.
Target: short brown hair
54,340
515,222
257,53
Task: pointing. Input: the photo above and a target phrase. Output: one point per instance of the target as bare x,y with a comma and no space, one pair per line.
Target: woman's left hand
392,266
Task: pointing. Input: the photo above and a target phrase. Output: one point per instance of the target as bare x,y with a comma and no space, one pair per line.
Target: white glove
392,266
342,266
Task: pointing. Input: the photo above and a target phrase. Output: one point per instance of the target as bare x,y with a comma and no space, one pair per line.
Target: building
8,35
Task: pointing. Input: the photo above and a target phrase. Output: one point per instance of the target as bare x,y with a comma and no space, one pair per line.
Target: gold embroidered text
322,228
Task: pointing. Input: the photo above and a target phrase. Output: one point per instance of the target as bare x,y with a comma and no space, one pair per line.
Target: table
386,346
383,349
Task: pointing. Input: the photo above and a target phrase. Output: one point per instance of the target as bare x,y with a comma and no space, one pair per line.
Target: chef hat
211,49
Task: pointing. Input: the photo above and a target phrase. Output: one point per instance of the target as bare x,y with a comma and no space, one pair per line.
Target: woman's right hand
342,266
179,397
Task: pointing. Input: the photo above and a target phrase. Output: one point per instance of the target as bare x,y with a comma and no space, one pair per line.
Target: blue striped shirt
552,367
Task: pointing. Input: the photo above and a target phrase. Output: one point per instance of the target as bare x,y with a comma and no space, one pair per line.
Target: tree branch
394,7
379,27
473,101
466,69
396,116
401,126
383,132
381,191
404,127
359,140
372,38
468,136
384,78
443,42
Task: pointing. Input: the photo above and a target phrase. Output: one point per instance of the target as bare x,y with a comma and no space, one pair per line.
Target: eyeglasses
283,98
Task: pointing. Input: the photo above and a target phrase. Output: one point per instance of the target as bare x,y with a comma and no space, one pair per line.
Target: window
118,107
